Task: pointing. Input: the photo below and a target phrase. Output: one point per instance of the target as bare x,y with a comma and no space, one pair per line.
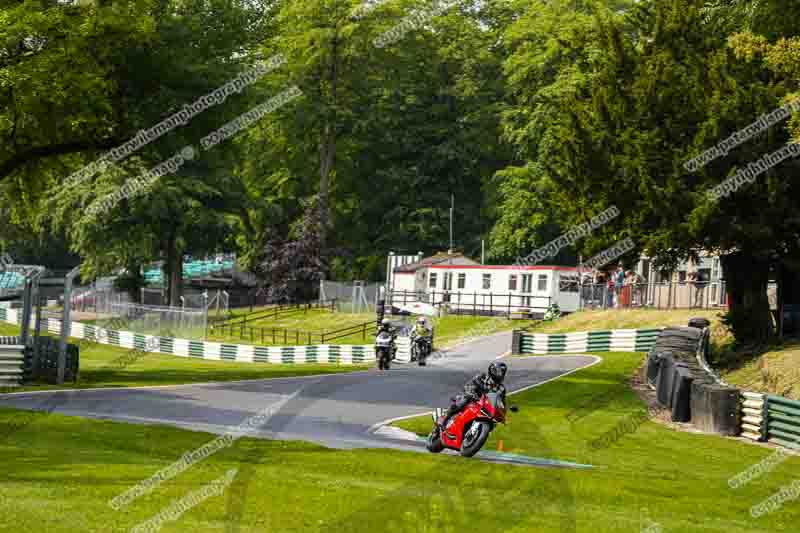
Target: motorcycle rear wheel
472,444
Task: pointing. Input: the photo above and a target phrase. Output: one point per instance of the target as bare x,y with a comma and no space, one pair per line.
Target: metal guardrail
474,303
12,362
623,340
770,418
782,418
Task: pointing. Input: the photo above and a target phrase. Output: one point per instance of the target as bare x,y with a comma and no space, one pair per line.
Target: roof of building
509,267
460,261
439,259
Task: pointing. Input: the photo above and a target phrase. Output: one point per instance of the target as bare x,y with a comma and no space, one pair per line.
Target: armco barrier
782,421
12,362
772,419
753,416
212,351
619,340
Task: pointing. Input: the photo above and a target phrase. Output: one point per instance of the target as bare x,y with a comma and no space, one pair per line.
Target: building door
448,286
527,288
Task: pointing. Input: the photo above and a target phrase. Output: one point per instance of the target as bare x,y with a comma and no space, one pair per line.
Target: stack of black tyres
673,367
684,386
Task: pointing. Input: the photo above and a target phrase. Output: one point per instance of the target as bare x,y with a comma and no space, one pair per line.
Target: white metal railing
667,295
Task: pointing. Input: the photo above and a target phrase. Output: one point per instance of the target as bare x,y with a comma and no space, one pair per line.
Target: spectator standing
698,280
627,289
597,287
619,282
638,289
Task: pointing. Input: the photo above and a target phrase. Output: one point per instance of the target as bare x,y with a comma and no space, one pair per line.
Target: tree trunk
173,272
136,281
789,294
746,280
327,145
327,155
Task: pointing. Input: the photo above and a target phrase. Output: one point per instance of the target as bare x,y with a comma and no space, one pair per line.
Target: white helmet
385,322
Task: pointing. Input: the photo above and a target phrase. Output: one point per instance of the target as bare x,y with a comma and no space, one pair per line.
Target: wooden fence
293,336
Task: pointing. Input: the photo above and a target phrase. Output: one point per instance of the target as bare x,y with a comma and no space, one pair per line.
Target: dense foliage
535,114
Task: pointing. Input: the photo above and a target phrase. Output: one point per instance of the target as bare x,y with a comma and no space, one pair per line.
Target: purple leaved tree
290,269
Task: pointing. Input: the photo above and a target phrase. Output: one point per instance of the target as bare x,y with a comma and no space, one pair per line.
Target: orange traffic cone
499,446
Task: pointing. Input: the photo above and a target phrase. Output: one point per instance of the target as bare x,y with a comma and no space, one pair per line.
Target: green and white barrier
618,340
782,421
212,351
12,362
753,421
773,419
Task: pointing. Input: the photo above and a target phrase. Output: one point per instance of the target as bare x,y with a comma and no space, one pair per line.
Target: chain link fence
351,296
162,320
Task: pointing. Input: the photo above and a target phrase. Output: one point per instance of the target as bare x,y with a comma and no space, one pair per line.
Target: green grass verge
451,330
776,371
99,370
680,477
60,472
602,320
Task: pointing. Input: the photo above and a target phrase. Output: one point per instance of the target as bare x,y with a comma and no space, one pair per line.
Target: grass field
449,329
60,472
98,368
313,321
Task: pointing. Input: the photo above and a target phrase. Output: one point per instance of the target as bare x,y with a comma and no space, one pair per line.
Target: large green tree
194,47
614,122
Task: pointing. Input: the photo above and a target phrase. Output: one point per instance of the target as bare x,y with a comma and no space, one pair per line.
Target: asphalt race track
338,411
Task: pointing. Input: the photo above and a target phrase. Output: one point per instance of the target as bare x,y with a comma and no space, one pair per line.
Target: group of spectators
620,287
626,288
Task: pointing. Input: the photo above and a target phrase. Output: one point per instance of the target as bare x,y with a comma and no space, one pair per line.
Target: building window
527,283
462,280
541,284
448,281
432,283
487,281
568,283
512,282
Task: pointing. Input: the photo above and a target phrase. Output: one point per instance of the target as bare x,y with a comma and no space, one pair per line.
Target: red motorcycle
467,431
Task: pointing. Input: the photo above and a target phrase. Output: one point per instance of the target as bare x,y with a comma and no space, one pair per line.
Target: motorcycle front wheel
434,442
474,438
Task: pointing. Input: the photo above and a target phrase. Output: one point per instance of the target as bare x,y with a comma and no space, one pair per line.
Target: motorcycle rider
491,381
420,330
386,326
